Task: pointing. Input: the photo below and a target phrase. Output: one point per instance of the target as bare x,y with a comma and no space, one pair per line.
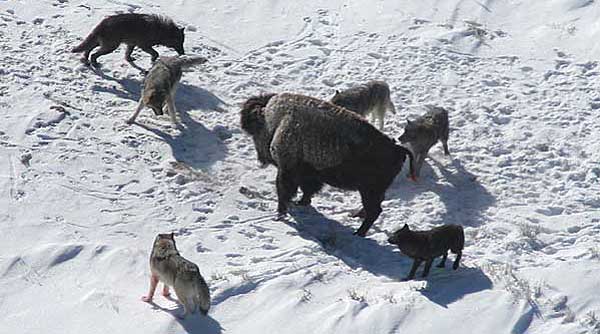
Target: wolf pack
311,142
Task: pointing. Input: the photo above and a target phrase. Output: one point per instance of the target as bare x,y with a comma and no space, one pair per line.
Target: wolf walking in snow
370,98
160,85
427,245
313,142
169,267
141,30
422,133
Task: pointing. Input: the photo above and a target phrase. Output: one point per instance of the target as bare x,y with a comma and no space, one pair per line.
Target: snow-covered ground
83,194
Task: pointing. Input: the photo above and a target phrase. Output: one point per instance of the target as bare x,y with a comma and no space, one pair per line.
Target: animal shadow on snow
194,144
465,199
193,323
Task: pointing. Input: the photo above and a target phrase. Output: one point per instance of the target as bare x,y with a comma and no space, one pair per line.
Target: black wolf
313,142
141,30
427,245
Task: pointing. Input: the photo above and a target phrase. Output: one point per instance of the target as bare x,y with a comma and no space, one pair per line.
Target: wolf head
410,132
402,235
177,42
155,100
252,120
164,245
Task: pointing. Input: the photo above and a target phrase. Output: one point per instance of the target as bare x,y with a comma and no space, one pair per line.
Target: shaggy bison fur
314,142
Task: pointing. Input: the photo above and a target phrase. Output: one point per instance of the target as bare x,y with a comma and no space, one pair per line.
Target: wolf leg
151,51
445,144
380,111
137,111
458,256
104,50
153,283
165,291
372,205
413,270
427,267
86,55
171,107
128,53
442,263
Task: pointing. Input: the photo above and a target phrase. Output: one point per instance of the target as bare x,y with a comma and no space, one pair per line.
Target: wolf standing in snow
141,30
371,98
167,266
161,83
424,132
313,142
427,245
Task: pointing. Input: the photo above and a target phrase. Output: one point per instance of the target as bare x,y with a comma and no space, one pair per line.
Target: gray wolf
160,85
141,30
427,245
167,266
312,142
370,98
422,133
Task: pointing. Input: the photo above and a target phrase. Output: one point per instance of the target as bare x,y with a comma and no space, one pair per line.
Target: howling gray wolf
422,133
160,85
313,142
167,266
427,245
371,98
141,30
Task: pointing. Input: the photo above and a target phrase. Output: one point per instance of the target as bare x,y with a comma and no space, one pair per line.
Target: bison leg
310,185
372,205
286,189
442,263
413,270
458,256
427,267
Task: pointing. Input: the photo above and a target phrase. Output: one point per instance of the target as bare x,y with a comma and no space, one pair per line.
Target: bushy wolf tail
88,43
390,106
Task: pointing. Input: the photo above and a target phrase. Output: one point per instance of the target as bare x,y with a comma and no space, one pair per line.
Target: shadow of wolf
204,325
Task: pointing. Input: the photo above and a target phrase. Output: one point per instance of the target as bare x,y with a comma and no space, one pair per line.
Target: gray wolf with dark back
167,266
141,30
313,142
422,133
427,245
370,98
160,85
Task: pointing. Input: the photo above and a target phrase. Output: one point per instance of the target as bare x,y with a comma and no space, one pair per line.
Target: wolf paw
147,299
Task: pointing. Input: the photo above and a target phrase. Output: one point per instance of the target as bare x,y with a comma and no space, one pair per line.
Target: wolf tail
88,43
202,298
390,106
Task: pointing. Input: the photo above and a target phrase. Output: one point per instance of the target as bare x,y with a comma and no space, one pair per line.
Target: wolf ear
406,227
337,92
407,121
182,29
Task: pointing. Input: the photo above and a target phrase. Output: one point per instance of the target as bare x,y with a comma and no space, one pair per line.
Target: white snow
83,194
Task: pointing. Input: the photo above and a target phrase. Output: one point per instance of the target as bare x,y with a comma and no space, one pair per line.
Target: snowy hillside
83,194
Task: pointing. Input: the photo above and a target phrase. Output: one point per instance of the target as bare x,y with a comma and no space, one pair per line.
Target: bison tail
251,114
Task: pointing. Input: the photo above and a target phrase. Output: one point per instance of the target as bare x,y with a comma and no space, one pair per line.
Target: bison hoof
360,233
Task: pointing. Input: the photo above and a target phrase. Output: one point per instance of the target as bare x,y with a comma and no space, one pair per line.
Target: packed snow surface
83,194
